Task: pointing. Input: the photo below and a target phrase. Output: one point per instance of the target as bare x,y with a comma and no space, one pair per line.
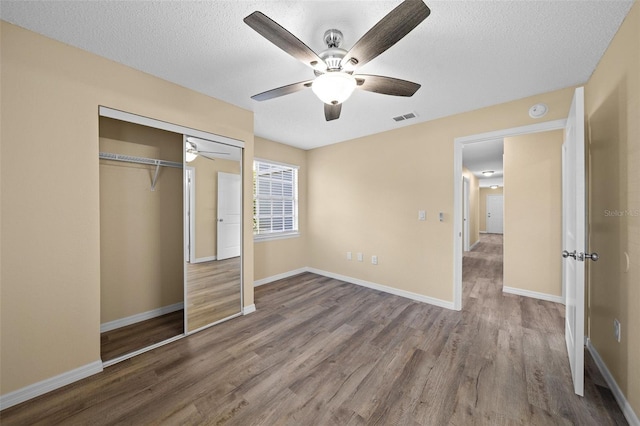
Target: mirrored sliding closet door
213,232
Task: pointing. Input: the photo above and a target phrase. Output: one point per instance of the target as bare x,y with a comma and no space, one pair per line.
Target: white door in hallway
573,237
494,214
229,215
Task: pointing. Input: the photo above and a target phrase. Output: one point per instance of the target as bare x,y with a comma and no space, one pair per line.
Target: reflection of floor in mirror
125,340
213,291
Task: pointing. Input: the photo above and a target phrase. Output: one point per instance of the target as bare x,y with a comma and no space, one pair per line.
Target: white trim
457,189
28,392
158,124
281,276
384,288
248,309
141,351
143,316
545,126
533,294
204,259
474,244
626,408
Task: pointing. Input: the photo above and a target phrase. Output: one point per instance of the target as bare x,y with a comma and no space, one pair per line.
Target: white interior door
573,239
229,215
495,206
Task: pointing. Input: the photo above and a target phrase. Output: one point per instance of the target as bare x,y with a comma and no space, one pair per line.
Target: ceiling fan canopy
334,67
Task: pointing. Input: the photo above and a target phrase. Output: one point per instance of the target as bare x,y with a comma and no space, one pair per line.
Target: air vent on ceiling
405,116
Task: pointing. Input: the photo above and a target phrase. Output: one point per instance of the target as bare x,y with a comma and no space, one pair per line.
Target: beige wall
533,212
206,202
483,205
474,206
364,196
50,230
612,98
141,237
280,256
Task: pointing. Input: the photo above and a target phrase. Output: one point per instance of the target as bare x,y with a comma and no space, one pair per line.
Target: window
275,200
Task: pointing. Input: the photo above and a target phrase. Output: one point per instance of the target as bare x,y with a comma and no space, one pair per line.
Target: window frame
276,235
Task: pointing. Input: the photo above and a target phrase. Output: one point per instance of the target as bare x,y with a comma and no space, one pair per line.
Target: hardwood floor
323,352
131,338
213,291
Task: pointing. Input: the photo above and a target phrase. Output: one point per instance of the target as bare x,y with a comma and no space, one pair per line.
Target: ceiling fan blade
281,91
386,85
332,112
387,32
276,34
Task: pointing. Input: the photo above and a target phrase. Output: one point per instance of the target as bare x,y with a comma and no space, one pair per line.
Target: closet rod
141,160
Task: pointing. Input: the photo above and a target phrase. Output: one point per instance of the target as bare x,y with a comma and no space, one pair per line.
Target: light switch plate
422,215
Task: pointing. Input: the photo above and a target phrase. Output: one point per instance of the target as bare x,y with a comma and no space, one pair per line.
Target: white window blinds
275,199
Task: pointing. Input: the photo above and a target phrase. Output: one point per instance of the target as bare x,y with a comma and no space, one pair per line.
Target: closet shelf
141,160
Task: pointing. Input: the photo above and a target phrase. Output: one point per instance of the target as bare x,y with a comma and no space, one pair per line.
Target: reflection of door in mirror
141,267
213,290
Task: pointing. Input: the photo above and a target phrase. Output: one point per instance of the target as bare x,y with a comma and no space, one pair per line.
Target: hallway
530,347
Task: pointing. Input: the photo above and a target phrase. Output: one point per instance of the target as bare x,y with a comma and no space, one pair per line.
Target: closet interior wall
141,230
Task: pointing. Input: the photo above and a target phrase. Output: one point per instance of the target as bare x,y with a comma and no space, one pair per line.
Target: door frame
458,145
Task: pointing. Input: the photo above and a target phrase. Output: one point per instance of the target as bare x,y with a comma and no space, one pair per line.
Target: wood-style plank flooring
323,352
131,338
213,291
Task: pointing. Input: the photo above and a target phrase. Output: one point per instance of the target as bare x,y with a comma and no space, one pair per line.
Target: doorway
459,144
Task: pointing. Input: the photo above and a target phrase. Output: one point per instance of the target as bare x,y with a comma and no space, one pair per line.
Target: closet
161,218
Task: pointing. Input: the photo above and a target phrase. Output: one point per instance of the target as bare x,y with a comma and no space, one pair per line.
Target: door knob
593,256
566,254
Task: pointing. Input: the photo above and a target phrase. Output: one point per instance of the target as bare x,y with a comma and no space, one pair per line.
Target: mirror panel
213,232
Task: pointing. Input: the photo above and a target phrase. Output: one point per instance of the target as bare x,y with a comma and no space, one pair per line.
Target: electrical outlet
374,260
616,330
348,255
360,257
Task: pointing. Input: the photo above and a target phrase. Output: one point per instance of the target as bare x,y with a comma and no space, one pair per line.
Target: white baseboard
204,259
534,294
143,316
474,244
47,385
386,289
248,309
626,408
277,277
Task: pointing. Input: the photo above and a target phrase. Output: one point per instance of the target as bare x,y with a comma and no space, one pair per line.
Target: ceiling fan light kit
334,67
190,153
334,87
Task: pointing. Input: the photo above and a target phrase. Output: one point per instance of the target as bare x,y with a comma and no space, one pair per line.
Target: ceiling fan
334,67
192,151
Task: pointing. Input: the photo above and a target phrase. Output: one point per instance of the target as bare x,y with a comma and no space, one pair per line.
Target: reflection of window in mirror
275,200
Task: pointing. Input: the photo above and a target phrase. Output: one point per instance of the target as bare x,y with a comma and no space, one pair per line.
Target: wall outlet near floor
360,257
616,330
374,260
348,255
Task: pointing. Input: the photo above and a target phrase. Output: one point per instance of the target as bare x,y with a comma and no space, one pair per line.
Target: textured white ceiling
466,55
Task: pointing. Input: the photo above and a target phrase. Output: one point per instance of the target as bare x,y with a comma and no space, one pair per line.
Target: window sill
271,237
